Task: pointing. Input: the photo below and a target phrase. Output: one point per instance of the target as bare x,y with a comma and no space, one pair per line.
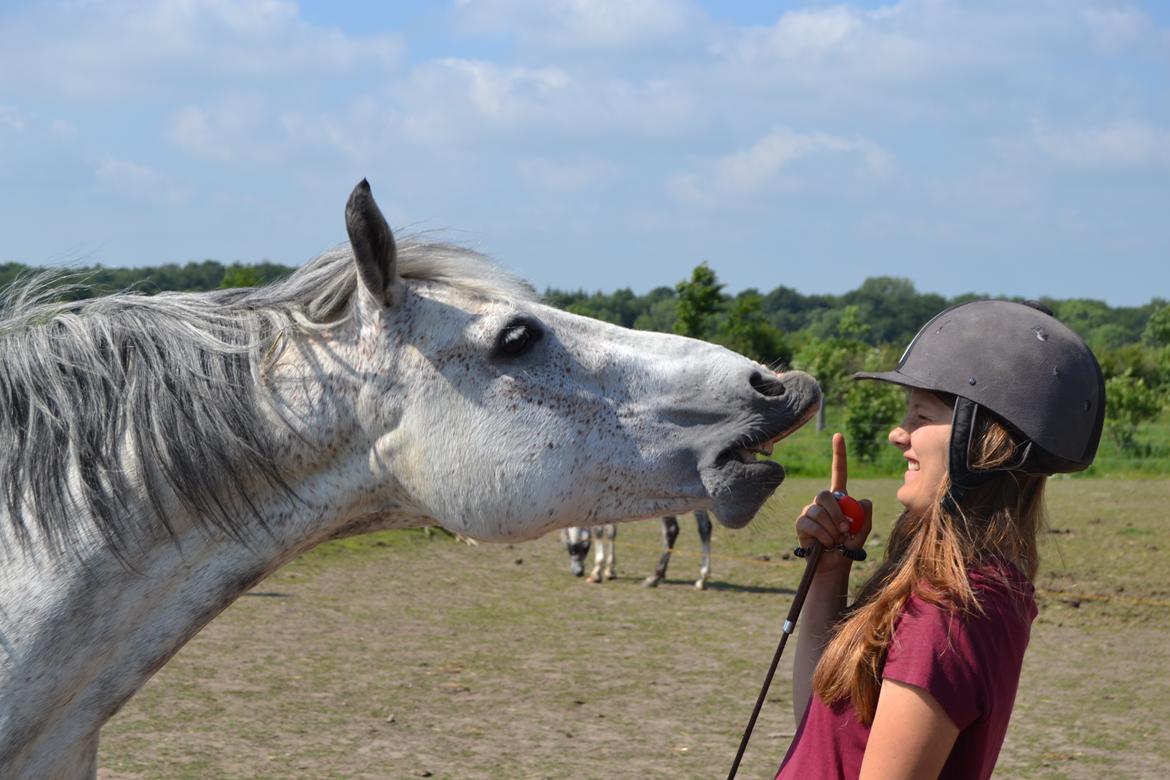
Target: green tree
659,314
1129,403
831,361
872,409
852,326
698,301
892,309
746,331
1157,332
237,275
1157,335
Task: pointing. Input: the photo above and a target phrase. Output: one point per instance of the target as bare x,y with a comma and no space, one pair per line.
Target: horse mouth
748,451
742,476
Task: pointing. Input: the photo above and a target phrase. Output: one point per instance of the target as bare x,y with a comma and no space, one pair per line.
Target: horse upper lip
766,443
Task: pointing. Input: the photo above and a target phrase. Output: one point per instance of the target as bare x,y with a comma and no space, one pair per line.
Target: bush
1129,403
871,410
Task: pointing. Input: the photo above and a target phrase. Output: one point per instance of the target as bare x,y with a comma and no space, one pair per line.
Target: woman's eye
517,338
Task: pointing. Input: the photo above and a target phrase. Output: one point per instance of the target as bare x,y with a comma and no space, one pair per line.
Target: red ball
852,510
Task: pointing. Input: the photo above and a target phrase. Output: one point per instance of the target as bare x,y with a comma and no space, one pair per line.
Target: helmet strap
962,477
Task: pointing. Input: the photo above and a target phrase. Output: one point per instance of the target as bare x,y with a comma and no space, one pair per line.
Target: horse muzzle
737,481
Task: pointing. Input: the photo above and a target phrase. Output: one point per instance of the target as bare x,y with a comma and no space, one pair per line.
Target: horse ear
372,242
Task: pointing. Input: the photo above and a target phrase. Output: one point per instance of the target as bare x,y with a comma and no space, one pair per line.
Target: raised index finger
840,465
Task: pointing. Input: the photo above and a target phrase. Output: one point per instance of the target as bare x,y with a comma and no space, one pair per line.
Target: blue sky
1009,147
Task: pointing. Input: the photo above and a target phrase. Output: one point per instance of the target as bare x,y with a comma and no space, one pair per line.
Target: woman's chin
906,495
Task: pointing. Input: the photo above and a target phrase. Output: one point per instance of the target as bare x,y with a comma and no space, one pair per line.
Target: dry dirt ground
403,656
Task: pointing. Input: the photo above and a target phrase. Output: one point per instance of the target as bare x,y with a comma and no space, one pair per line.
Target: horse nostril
769,386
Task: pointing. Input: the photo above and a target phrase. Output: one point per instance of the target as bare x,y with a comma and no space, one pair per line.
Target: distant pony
161,455
669,536
578,540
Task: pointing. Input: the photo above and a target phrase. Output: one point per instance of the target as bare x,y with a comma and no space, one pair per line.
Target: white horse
159,456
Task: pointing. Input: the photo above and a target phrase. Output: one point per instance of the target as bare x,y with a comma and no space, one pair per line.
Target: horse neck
82,631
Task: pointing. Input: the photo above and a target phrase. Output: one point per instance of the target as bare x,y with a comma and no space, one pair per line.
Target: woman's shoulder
1002,597
999,587
940,645
996,569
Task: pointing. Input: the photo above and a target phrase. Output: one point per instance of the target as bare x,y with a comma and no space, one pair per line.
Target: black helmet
1021,364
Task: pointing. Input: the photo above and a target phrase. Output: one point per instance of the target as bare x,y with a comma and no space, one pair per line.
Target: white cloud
750,170
800,35
140,181
842,50
129,48
510,93
452,98
62,128
1120,144
561,177
11,119
233,128
606,24
1116,29
460,100
834,111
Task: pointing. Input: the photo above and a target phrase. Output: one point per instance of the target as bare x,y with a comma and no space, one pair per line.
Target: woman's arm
822,607
823,521
911,737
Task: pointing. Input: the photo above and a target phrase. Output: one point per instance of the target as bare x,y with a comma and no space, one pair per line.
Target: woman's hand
824,522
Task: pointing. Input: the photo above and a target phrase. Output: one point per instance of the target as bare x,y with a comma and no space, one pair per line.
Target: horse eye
518,337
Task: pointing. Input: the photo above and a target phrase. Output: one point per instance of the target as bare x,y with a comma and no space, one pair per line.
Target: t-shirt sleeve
935,649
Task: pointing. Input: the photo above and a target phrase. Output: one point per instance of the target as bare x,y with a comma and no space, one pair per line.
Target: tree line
830,336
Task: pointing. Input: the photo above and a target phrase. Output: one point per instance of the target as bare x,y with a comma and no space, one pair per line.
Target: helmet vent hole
1041,334
971,381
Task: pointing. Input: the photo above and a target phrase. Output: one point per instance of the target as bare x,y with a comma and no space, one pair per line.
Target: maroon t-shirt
969,662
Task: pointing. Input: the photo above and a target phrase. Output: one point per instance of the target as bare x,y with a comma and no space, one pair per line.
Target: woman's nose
899,437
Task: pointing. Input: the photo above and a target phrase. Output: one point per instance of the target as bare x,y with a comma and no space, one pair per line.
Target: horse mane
105,399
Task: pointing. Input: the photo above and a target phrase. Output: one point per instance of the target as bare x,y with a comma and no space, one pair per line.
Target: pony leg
596,576
610,533
669,536
576,541
704,523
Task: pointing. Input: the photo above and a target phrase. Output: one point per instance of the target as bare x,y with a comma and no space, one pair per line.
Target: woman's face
924,438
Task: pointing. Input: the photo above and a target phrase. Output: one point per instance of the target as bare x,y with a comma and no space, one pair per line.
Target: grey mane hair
167,388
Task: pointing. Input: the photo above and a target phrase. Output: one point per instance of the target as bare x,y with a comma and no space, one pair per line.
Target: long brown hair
929,555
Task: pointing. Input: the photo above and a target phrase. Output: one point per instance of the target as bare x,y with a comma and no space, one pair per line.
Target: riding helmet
1019,363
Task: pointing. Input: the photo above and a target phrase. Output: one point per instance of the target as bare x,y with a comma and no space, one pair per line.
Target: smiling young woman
917,677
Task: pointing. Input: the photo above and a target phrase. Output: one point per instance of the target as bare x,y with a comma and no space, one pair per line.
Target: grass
396,655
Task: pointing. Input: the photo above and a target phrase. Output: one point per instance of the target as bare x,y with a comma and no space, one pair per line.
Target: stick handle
814,557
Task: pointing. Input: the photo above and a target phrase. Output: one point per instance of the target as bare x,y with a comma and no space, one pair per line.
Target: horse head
501,418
